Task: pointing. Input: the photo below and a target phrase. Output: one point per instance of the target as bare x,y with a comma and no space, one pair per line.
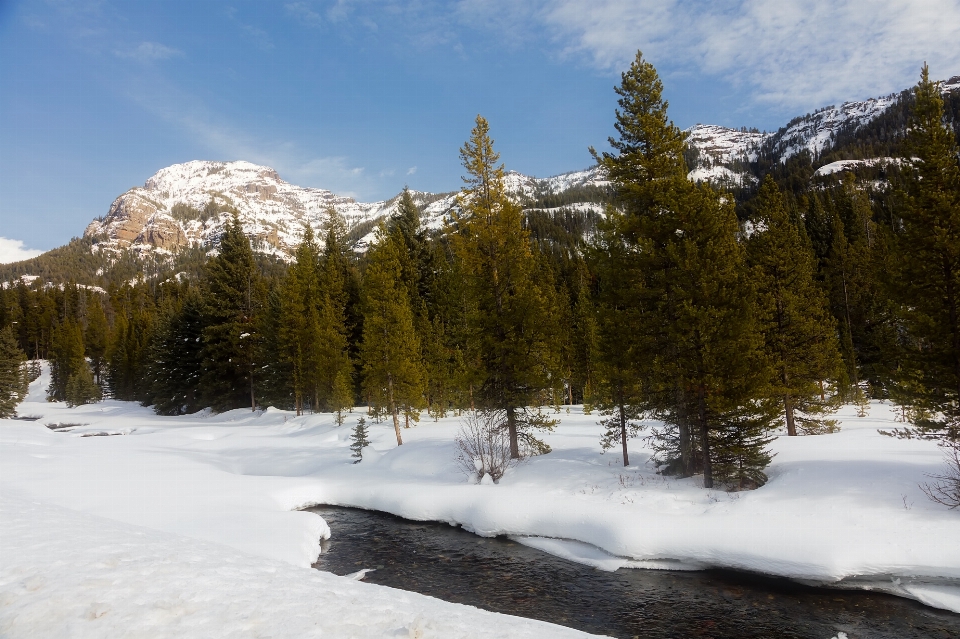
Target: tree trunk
253,397
512,428
788,407
623,436
393,410
686,443
705,437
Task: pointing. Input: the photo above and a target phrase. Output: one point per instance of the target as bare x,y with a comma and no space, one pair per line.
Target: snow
270,208
850,165
65,573
187,528
843,509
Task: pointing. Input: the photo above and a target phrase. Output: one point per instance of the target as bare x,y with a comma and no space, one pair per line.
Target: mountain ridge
185,206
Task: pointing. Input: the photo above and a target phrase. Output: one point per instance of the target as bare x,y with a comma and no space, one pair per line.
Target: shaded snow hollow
204,507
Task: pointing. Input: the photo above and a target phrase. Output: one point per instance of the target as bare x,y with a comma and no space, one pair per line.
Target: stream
501,575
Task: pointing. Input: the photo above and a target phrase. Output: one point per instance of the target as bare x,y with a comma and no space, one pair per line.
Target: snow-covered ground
203,507
184,528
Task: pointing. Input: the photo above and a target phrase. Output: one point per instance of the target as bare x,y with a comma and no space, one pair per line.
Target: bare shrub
945,488
483,445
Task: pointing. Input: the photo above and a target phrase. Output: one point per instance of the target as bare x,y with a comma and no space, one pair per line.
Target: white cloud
149,51
411,170
304,14
802,53
13,251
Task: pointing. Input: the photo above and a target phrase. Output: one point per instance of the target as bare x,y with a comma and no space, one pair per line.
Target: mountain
181,210
186,205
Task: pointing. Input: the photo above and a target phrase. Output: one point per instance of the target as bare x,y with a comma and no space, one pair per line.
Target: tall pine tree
699,348
511,328
230,332
799,332
390,351
927,285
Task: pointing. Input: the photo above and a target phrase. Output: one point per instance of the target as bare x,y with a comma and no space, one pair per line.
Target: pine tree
359,439
66,359
698,346
81,388
334,364
128,355
390,351
927,285
230,332
13,374
96,336
618,392
176,357
799,332
511,331
299,322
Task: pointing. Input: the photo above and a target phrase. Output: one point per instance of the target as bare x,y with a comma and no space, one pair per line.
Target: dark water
500,575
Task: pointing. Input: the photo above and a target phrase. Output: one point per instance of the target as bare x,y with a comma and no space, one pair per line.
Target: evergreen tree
337,287
96,337
13,374
699,348
176,359
618,392
299,322
273,381
443,334
230,332
511,330
66,359
390,351
129,353
799,332
927,284
81,388
359,439
853,269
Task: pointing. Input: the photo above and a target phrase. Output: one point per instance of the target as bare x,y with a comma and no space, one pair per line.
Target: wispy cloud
802,53
149,52
304,14
412,170
13,251
255,34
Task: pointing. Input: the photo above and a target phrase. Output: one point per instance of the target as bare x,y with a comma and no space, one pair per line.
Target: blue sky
365,96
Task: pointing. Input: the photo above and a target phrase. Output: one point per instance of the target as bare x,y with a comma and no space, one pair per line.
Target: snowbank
842,509
70,574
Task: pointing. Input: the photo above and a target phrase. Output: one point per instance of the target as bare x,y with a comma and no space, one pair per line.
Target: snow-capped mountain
722,154
188,205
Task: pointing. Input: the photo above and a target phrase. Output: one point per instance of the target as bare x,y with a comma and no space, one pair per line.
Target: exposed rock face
163,232
128,217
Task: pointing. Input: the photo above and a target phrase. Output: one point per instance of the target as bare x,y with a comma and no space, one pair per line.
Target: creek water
501,575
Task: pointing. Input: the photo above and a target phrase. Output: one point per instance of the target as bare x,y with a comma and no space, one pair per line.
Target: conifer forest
723,315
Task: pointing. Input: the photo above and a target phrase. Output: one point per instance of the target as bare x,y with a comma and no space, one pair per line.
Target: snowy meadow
171,526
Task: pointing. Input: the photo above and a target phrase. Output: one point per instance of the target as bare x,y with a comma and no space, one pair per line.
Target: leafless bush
945,488
484,445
